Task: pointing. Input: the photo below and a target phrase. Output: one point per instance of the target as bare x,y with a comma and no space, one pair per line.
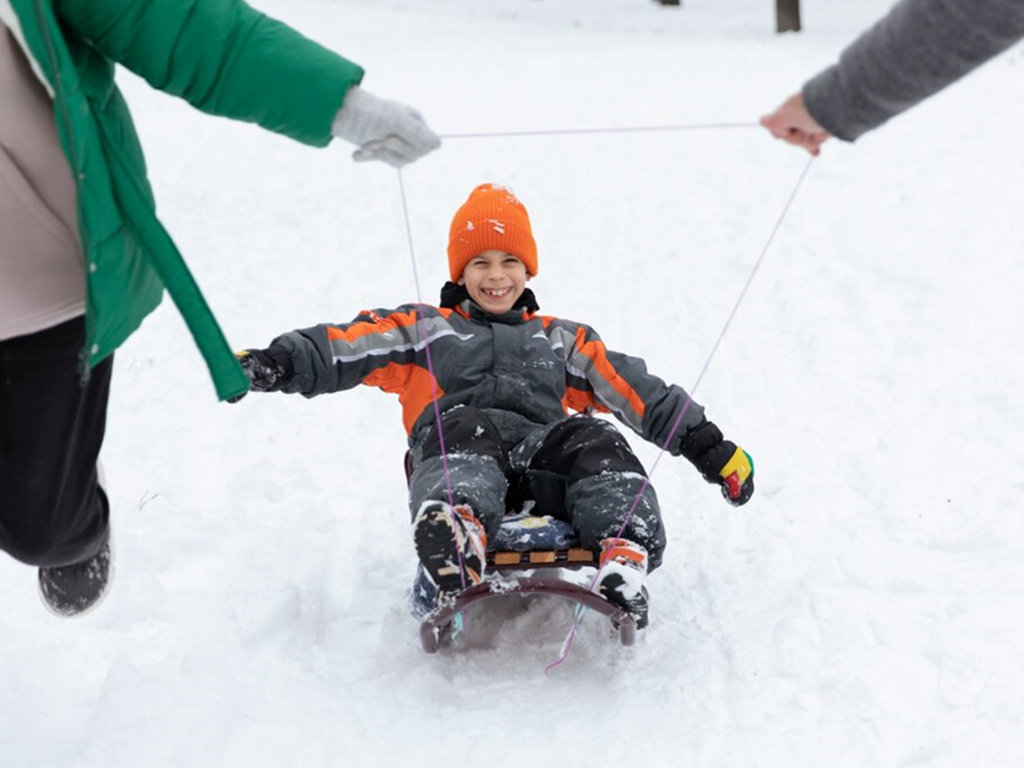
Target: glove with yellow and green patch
720,461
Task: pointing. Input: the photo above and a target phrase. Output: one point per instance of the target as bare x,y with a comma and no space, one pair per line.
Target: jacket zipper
58,97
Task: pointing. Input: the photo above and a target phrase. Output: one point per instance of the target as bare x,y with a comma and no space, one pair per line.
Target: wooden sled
526,543
514,572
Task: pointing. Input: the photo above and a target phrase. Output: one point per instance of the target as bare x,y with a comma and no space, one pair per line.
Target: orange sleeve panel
415,387
597,354
577,401
376,324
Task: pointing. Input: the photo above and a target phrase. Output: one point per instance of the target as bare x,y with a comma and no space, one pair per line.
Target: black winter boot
76,589
452,546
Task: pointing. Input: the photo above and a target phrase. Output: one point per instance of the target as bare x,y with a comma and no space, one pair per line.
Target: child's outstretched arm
379,348
621,384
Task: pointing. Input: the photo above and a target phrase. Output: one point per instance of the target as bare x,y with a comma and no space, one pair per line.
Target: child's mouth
496,293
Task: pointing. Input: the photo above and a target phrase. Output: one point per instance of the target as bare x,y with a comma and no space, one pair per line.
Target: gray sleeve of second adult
917,50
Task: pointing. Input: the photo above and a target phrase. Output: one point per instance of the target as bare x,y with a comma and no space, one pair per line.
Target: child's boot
452,546
623,569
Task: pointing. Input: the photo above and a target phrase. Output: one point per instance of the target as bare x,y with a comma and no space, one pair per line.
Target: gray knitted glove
383,130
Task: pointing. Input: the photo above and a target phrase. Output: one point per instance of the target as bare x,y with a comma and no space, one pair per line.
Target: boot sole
435,543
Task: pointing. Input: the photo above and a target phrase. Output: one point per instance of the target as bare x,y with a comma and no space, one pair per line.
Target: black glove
719,461
268,370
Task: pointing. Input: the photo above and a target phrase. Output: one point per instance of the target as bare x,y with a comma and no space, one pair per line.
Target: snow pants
580,470
52,508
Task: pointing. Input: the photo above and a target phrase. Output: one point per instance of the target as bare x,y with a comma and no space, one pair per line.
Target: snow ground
860,611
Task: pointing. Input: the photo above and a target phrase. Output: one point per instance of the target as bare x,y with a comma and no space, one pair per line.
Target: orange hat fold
492,219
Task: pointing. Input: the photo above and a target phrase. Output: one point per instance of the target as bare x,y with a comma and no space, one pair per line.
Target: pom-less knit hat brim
492,219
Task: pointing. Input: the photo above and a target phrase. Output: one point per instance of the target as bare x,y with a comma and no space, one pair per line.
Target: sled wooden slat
541,558
577,555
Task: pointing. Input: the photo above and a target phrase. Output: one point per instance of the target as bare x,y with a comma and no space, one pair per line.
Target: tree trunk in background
787,15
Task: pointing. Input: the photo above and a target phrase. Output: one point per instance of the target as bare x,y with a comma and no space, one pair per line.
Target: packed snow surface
864,609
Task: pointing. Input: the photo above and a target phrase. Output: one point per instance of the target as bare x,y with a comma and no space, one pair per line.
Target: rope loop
568,642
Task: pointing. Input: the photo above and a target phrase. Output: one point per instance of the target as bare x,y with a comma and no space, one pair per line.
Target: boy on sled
507,380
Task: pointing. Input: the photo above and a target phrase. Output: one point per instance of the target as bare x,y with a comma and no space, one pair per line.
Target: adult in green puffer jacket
83,257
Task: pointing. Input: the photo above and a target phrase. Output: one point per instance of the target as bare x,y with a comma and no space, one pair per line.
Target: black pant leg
465,430
52,510
585,471
474,467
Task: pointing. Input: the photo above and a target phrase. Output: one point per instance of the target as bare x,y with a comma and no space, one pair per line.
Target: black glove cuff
281,359
698,441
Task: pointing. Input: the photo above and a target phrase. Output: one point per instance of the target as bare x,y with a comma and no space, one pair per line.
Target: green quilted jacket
224,58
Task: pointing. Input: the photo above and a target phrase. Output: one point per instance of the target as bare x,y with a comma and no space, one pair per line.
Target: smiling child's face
495,280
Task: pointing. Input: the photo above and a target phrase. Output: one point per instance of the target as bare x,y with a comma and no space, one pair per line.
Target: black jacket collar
455,296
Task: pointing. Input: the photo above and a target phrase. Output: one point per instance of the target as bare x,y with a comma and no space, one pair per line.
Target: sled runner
529,556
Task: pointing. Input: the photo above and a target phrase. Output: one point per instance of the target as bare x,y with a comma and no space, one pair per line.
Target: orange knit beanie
491,219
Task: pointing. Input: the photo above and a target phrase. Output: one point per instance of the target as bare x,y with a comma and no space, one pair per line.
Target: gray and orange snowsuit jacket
521,368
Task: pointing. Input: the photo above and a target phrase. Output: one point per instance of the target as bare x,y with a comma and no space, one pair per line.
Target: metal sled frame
435,629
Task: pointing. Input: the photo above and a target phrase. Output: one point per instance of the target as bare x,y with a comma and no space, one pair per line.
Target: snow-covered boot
623,569
76,589
452,546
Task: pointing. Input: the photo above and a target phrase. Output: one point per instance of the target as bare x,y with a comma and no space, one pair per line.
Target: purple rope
577,131
421,324
567,645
